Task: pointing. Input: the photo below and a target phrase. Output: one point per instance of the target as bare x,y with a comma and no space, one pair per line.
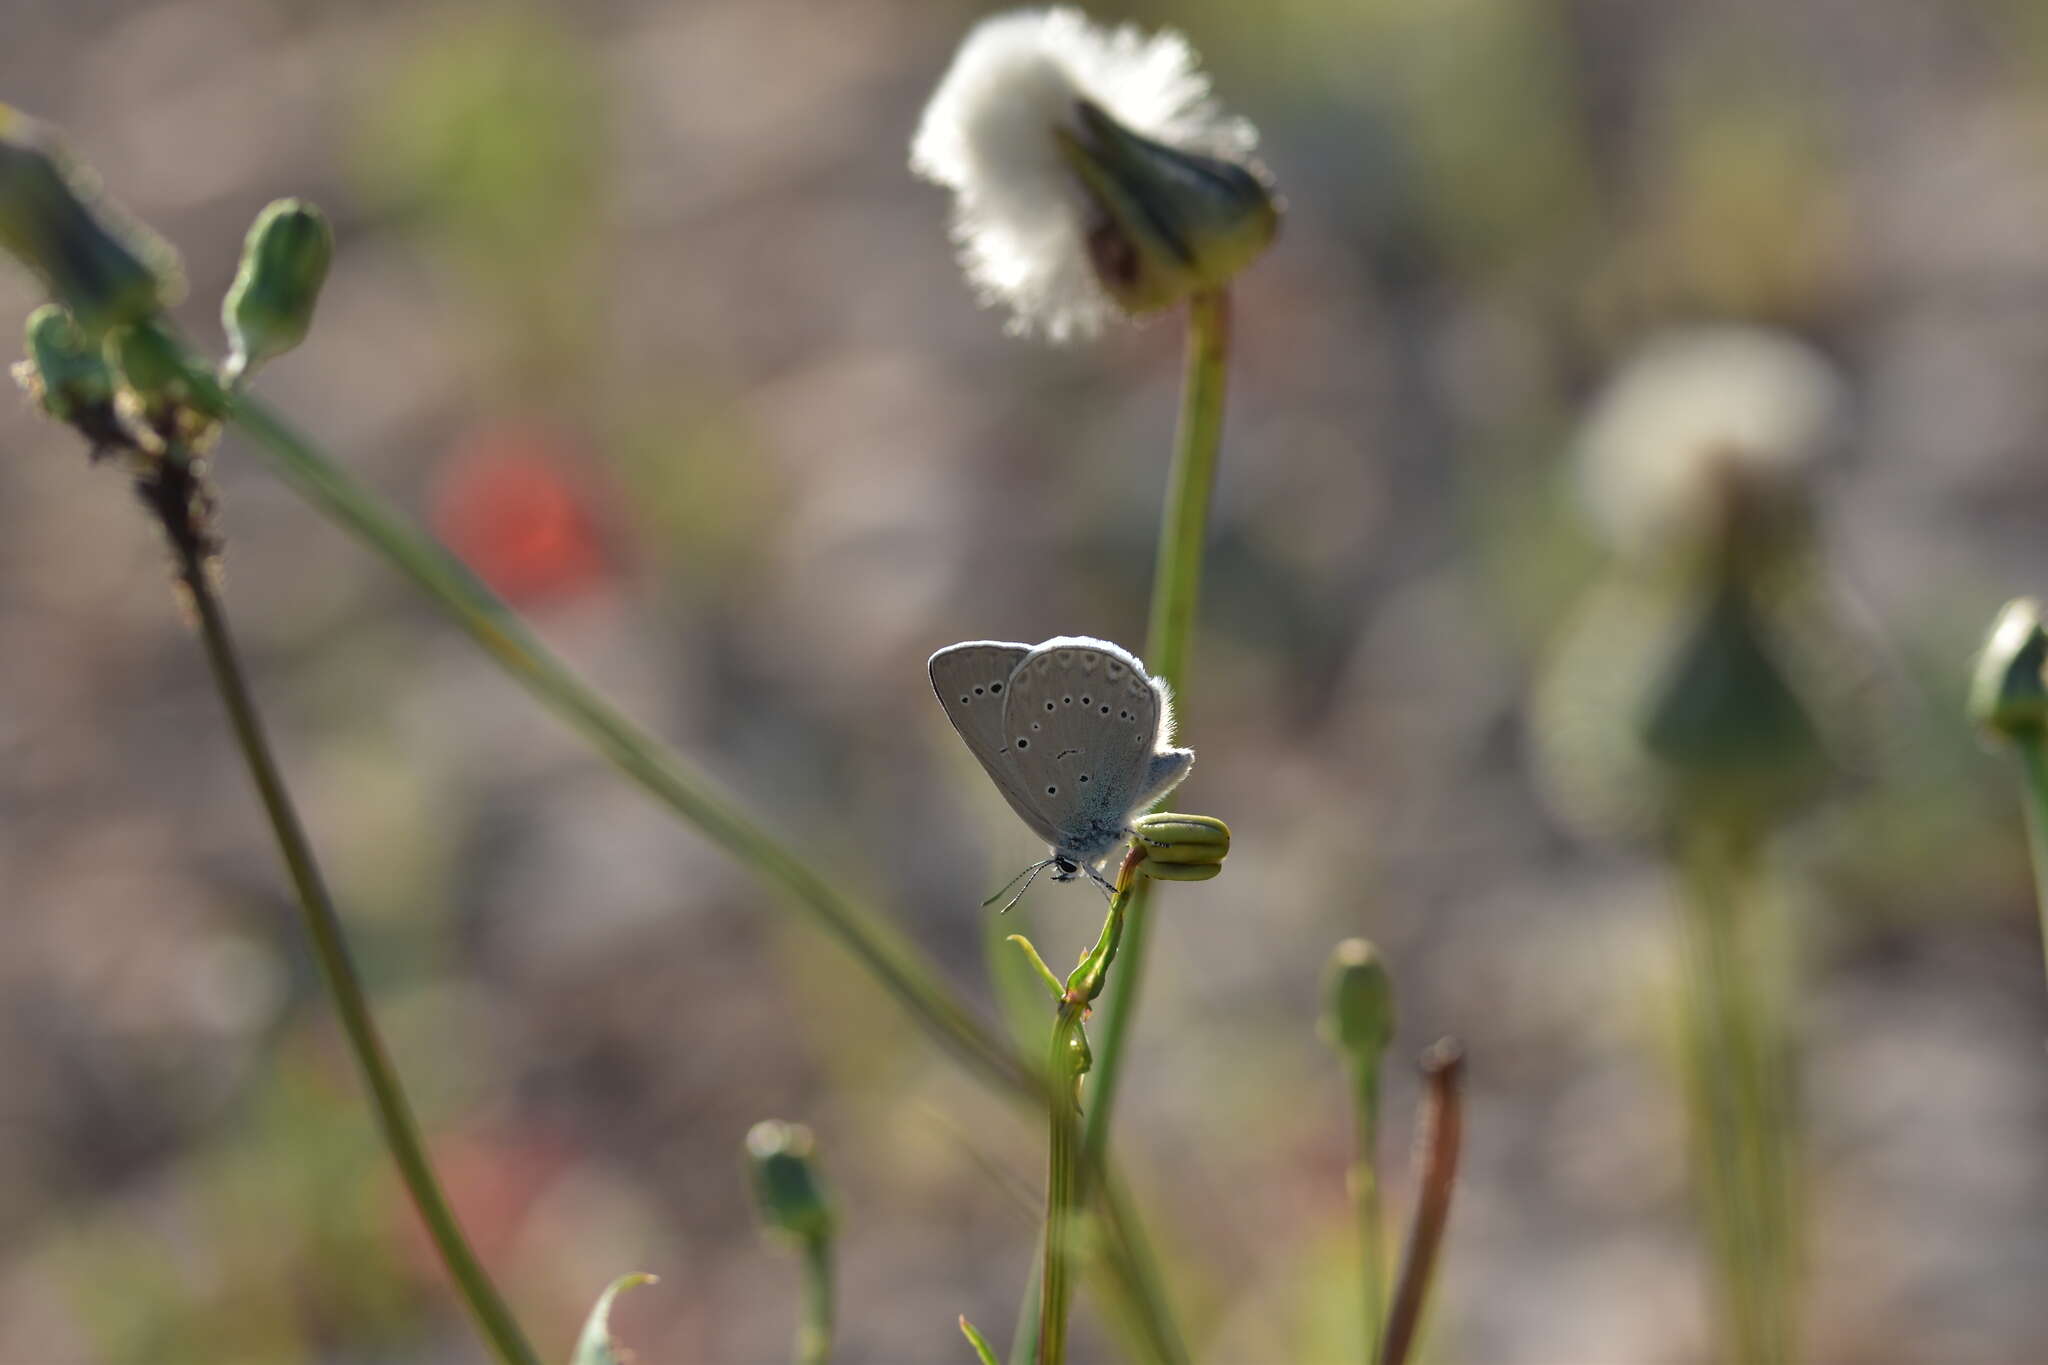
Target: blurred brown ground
669,255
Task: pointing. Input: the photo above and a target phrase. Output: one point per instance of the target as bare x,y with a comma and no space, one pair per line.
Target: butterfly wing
1084,724
971,681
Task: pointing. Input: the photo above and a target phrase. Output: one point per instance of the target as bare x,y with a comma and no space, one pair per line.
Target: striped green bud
1182,840
1180,872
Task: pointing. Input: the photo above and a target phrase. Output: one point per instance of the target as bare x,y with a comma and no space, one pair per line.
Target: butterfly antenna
1027,876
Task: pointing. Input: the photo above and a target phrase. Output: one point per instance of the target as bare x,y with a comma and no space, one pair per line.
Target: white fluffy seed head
1020,216
1696,407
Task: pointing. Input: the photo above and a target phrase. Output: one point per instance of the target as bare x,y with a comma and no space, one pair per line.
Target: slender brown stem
174,494
895,962
326,484
1439,1132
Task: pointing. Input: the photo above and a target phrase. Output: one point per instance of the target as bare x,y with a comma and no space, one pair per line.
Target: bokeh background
637,305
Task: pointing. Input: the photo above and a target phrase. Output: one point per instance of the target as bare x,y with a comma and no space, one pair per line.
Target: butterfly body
1073,732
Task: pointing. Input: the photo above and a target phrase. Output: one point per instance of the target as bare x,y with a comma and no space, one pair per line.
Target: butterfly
1073,732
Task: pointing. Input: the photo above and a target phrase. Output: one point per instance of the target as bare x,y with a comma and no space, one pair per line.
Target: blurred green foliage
490,137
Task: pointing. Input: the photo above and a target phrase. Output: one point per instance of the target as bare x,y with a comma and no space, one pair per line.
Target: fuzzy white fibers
1692,406
1020,217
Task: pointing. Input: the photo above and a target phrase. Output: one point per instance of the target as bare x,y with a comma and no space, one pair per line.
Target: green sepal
2008,691
1172,222
983,1352
595,1346
1045,973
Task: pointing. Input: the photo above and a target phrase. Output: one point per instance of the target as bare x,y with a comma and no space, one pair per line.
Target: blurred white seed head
1698,414
993,132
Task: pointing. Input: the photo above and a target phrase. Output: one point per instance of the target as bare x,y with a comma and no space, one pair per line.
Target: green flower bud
1183,840
1180,872
148,361
1172,222
155,375
65,372
269,307
1358,1001
1733,733
2008,692
99,263
787,1192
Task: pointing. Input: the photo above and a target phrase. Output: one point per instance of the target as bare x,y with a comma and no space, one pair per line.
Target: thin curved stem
903,971
170,497
1176,589
1439,1138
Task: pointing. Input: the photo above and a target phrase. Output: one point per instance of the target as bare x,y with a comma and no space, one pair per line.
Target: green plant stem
1183,536
1145,1318
814,1330
1024,1340
1068,1171
1176,589
1365,1199
906,975
2034,797
902,970
1148,1316
1738,1084
1063,1186
387,1097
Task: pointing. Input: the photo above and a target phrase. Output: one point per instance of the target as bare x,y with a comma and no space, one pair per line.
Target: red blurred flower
505,503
